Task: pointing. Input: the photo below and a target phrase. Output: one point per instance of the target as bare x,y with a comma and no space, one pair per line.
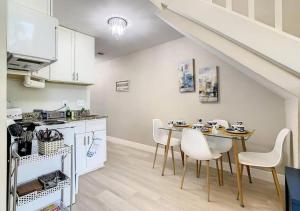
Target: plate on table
230,130
182,125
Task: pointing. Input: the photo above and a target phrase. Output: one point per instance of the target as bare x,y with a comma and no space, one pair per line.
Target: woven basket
46,148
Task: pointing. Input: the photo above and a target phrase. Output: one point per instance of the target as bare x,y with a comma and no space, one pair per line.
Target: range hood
31,38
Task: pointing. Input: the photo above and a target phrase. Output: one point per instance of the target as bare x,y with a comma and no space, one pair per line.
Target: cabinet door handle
88,140
73,77
77,76
84,140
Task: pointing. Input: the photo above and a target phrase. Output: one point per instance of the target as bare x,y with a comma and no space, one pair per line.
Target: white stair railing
251,11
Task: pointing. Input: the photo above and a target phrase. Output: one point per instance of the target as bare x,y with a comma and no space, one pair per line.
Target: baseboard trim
256,173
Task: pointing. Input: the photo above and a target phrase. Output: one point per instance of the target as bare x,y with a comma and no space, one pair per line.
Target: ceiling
144,29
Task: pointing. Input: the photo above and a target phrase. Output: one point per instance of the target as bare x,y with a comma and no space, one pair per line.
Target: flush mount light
117,26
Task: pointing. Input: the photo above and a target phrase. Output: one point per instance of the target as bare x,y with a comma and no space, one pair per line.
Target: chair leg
218,171
173,160
242,171
184,171
207,179
277,185
229,160
199,168
248,167
155,155
222,178
182,156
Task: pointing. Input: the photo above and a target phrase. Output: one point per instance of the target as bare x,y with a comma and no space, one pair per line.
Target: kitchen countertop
66,120
90,117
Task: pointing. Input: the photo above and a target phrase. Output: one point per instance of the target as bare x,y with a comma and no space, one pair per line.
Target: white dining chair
195,146
160,137
267,160
220,145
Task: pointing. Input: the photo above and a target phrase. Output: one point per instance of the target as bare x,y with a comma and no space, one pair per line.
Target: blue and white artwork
186,76
209,84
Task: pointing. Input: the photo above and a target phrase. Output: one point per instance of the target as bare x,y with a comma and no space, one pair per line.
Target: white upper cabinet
84,58
63,69
43,6
75,59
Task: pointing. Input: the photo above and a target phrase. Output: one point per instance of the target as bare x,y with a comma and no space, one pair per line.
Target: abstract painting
186,76
122,86
209,84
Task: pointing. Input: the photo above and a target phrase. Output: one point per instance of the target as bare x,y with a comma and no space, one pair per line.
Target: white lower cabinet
91,148
80,154
96,150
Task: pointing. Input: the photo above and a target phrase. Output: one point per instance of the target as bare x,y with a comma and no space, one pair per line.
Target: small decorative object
49,141
214,130
171,123
52,207
186,76
122,86
197,126
209,84
180,122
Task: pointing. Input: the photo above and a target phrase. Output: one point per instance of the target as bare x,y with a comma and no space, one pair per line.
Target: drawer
79,126
95,124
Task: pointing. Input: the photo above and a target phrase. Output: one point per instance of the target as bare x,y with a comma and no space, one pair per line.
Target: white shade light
117,26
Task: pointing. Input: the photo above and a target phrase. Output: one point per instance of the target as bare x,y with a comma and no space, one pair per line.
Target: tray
22,200
187,125
237,132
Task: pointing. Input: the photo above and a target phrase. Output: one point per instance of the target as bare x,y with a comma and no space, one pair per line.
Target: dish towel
93,147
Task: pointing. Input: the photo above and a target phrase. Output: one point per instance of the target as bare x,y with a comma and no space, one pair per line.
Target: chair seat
173,142
214,156
257,159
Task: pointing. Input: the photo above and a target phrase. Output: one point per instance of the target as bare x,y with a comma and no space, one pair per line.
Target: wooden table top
222,133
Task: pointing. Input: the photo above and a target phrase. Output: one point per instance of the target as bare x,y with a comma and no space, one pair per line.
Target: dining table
236,138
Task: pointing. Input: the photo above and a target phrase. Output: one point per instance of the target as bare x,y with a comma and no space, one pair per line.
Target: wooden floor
128,183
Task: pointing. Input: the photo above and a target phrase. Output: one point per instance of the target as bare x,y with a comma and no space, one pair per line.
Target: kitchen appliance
47,115
31,38
14,113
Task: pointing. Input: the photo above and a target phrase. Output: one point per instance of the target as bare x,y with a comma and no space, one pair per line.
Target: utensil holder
24,147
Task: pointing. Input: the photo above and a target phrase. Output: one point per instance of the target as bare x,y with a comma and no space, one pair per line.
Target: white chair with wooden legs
221,145
160,137
267,160
195,146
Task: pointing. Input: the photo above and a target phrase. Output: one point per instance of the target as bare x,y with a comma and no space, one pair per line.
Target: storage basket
49,147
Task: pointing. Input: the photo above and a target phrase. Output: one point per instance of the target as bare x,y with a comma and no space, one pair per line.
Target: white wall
50,98
154,94
3,9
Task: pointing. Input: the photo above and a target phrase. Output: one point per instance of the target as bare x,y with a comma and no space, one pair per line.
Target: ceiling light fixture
117,26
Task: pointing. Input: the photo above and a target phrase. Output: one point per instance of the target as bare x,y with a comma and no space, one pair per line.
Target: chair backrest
157,133
278,147
221,122
221,144
194,144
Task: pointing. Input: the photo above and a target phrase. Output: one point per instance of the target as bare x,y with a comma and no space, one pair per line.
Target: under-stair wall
230,35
